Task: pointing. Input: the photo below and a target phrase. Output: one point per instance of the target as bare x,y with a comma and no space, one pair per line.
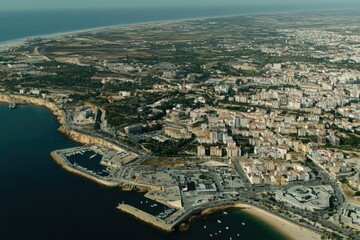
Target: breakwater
78,202
62,163
146,217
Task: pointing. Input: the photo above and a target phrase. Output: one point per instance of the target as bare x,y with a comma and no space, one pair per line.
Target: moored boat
12,105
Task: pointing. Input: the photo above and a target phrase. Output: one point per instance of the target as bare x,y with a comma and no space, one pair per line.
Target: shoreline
287,228
59,114
48,36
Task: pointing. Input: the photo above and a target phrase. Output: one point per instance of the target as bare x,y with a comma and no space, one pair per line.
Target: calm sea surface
20,24
41,201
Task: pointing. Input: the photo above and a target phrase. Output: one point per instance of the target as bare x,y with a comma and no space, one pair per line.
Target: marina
103,217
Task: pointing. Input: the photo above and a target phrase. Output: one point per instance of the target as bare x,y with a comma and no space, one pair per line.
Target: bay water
41,201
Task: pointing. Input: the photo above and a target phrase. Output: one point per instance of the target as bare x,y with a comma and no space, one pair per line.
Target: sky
56,4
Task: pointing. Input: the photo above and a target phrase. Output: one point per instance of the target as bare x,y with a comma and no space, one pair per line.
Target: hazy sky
44,4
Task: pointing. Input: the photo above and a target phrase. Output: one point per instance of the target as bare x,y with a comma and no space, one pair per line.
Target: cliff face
87,139
58,112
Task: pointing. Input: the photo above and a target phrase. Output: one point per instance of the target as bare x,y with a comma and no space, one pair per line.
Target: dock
59,156
146,217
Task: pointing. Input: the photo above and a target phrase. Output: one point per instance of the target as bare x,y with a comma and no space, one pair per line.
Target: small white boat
225,213
218,221
204,226
243,224
12,105
227,228
210,235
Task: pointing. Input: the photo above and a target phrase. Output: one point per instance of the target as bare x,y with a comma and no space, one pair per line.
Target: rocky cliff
87,139
20,99
60,114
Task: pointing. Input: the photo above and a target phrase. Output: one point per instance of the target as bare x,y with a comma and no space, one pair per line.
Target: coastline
286,225
73,135
19,41
59,113
289,229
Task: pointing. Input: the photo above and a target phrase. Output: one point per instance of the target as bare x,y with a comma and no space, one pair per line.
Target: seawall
146,217
68,168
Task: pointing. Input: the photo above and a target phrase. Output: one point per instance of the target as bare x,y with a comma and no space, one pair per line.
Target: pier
146,217
60,157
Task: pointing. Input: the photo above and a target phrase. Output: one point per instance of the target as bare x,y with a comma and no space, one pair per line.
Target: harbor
163,206
184,189
172,198
231,127
98,164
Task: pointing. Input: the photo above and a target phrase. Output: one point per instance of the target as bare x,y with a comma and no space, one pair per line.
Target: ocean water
19,24
41,201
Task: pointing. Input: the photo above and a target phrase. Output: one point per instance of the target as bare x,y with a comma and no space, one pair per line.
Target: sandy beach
292,230
56,35
289,229
5,45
